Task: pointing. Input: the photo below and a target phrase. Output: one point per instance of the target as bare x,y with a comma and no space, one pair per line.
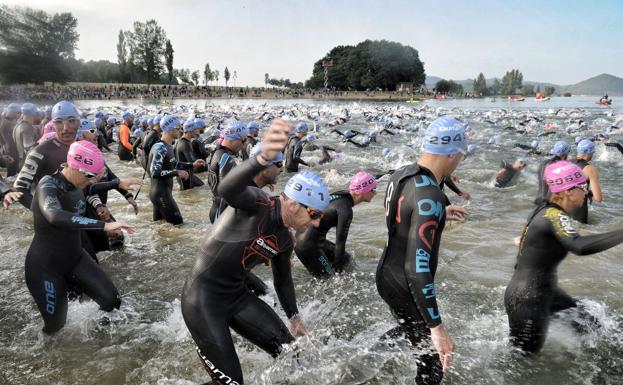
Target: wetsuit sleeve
452,186
53,212
124,137
27,136
355,143
618,146
235,189
112,176
100,187
284,286
157,170
298,149
136,145
199,149
4,188
27,176
345,216
582,245
417,263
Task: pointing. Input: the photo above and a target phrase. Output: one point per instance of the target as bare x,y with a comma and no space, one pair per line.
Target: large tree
480,85
226,75
370,65
41,43
511,82
168,57
147,46
195,77
207,74
122,56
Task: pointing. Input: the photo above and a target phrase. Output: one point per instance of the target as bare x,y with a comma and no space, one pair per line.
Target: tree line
38,47
511,84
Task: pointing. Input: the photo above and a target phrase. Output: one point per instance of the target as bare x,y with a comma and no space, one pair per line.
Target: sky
561,42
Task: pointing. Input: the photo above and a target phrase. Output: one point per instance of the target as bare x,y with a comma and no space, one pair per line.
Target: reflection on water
146,341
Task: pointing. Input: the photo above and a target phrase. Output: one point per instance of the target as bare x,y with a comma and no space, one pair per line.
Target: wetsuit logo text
214,371
50,297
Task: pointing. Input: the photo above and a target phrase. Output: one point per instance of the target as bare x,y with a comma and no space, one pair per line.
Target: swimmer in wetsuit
509,172
183,151
295,148
415,217
199,149
585,151
618,146
24,133
320,256
124,149
560,152
162,168
253,231
252,131
533,296
10,115
56,259
222,162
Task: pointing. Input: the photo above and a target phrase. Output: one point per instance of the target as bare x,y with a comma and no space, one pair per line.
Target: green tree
216,76
195,77
41,43
226,75
266,79
168,57
122,56
511,82
495,88
207,74
147,45
527,90
370,65
480,85
549,90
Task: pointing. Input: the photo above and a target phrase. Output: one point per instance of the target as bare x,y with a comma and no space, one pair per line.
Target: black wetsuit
581,213
199,149
42,160
507,175
326,157
162,168
360,145
215,297
25,138
320,256
543,192
294,148
184,153
147,141
532,295
618,146
8,143
220,164
246,149
56,259
415,217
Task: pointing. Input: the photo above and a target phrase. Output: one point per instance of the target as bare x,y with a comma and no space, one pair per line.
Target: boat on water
516,98
413,101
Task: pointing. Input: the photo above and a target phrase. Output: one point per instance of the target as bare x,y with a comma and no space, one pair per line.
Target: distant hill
597,85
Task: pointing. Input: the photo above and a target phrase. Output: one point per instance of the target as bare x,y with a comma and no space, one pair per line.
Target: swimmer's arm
619,146
297,155
284,285
124,138
112,175
587,244
341,234
27,176
136,145
235,189
593,176
417,270
53,212
99,187
452,186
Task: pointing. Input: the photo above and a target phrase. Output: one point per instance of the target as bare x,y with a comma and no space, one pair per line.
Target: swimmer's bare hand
274,141
199,163
182,174
444,345
10,198
517,241
296,326
129,183
112,226
103,213
456,213
455,179
465,195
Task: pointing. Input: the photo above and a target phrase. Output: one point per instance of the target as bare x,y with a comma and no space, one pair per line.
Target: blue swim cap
99,115
99,122
445,136
535,143
234,130
560,148
200,123
29,109
157,119
373,134
85,126
301,127
169,123
14,107
127,115
311,137
150,121
471,149
253,126
137,133
64,110
578,139
189,125
586,147
308,189
365,140
111,121
256,150
386,152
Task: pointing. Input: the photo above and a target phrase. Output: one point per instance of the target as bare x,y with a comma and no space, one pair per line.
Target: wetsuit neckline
58,172
229,150
344,193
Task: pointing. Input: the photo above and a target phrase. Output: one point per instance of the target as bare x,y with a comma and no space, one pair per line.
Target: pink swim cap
361,183
49,127
47,136
563,175
85,156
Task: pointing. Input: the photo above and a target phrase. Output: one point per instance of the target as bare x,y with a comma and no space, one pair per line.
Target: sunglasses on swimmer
583,186
88,175
313,213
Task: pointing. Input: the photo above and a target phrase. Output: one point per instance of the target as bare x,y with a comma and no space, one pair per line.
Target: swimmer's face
367,197
66,129
576,195
299,218
454,162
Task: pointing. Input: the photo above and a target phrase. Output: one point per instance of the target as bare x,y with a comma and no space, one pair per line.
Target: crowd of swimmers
54,156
